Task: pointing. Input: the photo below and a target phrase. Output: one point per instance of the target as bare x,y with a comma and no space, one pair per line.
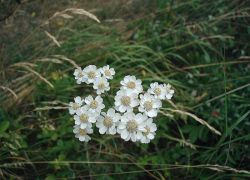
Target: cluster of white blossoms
133,111
98,77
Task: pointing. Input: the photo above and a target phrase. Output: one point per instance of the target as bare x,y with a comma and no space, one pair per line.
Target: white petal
92,119
81,138
145,141
83,125
71,111
122,108
150,136
152,113
124,134
77,122
111,112
139,135
87,139
128,138
133,137
122,126
102,130
141,109
88,99
153,127
112,130
141,127
169,96
90,130
99,124
78,100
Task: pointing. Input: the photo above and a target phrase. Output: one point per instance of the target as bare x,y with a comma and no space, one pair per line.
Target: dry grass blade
46,108
66,16
181,141
23,64
61,57
53,60
56,102
166,114
82,12
52,38
215,167
74,11
224,94
9,90
34,72
197,119
41,77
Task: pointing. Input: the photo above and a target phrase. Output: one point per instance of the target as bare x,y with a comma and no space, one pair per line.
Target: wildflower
148,129
91,73
95,105
107,122
107,72
158,90
130,125
149,105
124,101
82,133
169,91
78,73
101,84
131,84
84,117
74,106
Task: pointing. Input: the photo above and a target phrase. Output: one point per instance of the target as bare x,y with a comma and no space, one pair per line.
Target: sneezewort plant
133,111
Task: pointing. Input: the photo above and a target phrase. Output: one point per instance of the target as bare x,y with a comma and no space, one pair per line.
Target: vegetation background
200,47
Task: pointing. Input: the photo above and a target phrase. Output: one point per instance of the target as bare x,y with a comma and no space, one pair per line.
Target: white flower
101,84
91,73
149,105
107,122
107,72
74,106
84,117
130,125
95,105
125,101
131,84
78,73
148,129
169,91
82,133
158,90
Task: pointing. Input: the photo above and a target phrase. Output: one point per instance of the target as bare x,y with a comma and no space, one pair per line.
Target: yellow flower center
75,106
82,132
80,75
84,118
107,121
148,105
131,126
157,91
101,85
91,75
107,72
93,104
125,100
147,131
131,85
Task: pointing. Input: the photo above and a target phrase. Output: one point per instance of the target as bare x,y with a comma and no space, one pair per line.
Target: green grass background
200,47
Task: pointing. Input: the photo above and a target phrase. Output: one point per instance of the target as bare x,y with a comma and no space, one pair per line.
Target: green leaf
4,125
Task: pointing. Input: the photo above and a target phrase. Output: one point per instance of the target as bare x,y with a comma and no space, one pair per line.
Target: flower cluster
133,111
98,77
